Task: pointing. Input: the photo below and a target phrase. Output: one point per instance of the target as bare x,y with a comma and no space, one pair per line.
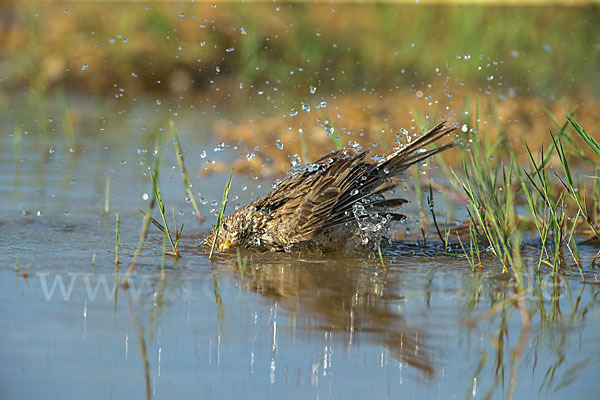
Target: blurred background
242,47
246,69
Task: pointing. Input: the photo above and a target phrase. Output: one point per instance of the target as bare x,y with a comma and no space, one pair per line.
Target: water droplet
218,69
51,150
464,128
313,89
181,15
354,144
490,78
279,144
145,196
84,67
354,192
547,48
305,107
293,112
230,50
39,213
244,188
250,156
158,102
220,147
203,154
296,161
243,30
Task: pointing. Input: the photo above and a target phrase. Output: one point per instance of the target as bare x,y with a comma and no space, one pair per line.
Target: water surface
289,325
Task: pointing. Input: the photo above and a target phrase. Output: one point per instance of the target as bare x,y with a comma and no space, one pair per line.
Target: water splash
372,226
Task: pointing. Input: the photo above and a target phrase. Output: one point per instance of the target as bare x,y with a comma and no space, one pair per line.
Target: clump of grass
554,207
186,179
221,213
491,210
165,228
473,253
492,215
595,147
551,217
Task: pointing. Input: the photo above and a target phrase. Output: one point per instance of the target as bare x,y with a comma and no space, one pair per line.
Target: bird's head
229,235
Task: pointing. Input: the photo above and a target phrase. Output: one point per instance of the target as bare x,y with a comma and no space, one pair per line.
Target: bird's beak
225,245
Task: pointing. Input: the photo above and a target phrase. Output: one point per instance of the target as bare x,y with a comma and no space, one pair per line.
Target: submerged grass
242,264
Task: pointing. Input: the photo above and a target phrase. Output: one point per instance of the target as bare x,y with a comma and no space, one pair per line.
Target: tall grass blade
186,179
221,213
589,140
117,240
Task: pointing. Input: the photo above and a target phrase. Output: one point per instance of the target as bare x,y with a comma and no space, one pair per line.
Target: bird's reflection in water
354,299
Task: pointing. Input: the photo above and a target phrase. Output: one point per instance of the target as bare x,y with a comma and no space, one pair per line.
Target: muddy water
288,325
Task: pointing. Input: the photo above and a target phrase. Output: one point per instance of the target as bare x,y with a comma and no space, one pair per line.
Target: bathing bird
336,202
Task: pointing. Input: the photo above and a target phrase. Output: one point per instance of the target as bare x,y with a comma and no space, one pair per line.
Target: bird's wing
364,184
316,198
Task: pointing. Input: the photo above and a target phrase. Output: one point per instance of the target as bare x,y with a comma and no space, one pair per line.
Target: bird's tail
416,151
368,182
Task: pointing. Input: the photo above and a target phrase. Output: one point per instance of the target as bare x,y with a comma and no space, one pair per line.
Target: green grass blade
221,213
589,140
186,179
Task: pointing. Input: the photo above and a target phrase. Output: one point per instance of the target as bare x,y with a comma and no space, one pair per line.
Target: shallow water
288,326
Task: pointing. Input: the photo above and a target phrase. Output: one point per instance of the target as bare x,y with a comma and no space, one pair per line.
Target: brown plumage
334,202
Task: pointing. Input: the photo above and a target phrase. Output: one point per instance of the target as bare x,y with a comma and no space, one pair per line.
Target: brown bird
334,203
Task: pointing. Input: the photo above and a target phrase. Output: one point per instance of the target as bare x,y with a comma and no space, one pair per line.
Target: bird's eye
225,226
